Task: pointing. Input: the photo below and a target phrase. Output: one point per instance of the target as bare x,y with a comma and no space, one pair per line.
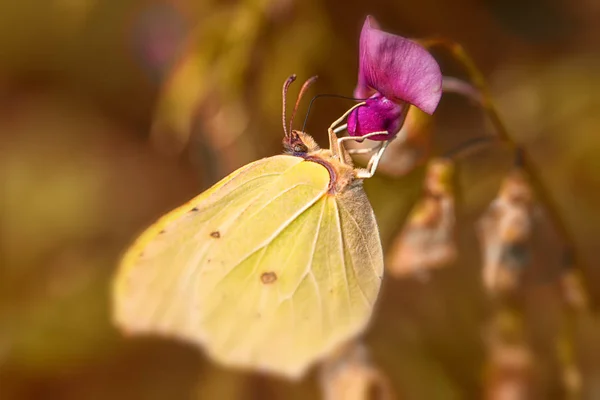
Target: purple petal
398,68
378,114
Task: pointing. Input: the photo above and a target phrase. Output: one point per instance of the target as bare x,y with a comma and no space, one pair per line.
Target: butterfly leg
334,144
365,151
373,163
335,147
340,128
360,139
340,119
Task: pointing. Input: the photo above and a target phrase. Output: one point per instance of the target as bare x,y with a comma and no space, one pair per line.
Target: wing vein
310,271
195,267
343,254
278,196
362,235
362,292
321,308
312,254
274,236
237,189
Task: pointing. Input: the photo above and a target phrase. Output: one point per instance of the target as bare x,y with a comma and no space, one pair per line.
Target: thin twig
528,166
575,295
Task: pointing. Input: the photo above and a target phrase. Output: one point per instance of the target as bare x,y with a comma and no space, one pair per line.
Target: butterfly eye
300,148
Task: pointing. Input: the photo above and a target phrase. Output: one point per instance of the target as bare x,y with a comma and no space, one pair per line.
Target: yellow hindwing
265,270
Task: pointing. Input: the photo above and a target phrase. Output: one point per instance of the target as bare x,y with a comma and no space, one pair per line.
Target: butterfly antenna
337,96
300,95
286,85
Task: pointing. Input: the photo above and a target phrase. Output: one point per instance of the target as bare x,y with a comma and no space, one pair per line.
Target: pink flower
394,72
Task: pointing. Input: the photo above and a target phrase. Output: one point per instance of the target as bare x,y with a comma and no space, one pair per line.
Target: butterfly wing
258,269
347,267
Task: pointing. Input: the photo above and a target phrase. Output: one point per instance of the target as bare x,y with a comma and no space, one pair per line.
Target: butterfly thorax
301,144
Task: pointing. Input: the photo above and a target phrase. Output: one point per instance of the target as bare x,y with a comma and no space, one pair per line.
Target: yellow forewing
265,270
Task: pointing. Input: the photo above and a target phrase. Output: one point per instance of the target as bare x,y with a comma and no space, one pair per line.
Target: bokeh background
113,112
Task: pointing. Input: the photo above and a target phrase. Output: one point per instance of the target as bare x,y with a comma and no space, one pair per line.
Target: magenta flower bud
398,71
378,114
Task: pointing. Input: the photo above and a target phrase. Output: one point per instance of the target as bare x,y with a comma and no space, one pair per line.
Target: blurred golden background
113,112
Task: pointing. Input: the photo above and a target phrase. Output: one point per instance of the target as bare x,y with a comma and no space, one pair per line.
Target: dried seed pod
349,375
509,371
505,234
574,294
427,239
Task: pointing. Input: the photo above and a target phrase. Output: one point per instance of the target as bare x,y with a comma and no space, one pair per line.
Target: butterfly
270,269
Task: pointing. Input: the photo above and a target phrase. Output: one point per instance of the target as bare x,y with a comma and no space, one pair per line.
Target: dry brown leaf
427,239
505,234
349,375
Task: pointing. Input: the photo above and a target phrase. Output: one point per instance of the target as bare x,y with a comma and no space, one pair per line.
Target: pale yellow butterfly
271,269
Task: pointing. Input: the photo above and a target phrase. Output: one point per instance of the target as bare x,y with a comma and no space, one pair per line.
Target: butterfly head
295,142
299,144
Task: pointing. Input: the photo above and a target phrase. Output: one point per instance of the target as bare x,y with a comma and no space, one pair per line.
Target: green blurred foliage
113,112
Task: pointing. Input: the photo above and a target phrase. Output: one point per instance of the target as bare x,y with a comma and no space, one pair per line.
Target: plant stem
574,293
573,263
